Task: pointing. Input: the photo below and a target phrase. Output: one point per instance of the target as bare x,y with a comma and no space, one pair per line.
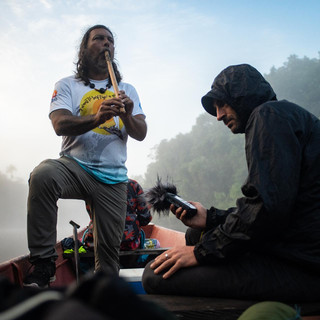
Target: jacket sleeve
273,153
216,217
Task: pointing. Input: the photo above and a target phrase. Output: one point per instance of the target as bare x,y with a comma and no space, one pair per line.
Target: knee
149,280
42,174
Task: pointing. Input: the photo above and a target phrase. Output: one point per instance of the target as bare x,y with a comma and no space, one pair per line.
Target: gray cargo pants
64,179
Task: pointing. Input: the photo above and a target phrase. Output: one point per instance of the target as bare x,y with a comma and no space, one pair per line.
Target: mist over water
14,239
13,243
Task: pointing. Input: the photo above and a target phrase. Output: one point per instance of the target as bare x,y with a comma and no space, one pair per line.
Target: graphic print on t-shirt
90,104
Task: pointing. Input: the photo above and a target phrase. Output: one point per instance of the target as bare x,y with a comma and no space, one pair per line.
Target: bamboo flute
113,77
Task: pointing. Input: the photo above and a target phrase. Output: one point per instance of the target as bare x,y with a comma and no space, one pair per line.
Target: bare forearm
69,125
136,126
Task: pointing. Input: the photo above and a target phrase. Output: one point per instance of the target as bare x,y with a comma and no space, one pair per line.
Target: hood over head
242,87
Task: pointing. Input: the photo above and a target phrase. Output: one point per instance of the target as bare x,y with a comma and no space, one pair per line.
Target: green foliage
298,80
208,163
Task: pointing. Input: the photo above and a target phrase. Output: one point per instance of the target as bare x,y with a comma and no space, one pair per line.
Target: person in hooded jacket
268,246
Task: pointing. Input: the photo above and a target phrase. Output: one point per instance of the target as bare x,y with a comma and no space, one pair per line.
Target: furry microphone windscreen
156,196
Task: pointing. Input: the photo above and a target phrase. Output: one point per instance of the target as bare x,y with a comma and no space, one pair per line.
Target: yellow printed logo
90,104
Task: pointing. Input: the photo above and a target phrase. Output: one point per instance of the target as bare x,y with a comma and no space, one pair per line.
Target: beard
96,63
233,124
238,127
237,121
241,121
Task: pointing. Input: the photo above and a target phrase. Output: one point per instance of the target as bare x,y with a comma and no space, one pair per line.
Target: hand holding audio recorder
161,196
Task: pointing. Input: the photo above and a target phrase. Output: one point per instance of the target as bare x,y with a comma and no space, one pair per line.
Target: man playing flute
88,115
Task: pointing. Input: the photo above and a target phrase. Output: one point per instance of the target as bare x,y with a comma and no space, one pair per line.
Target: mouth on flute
106,50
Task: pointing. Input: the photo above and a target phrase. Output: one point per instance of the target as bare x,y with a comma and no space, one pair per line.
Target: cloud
46,4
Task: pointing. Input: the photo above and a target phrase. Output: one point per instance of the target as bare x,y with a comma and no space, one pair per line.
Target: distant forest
207,164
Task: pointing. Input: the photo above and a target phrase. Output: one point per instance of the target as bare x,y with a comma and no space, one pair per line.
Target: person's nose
106,43
220,113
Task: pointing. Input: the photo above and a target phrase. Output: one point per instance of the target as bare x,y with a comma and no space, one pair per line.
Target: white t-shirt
102,151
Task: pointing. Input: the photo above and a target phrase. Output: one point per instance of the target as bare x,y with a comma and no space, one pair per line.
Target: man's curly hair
81,66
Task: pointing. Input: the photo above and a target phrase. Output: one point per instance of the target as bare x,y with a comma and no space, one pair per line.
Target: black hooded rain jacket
279,213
